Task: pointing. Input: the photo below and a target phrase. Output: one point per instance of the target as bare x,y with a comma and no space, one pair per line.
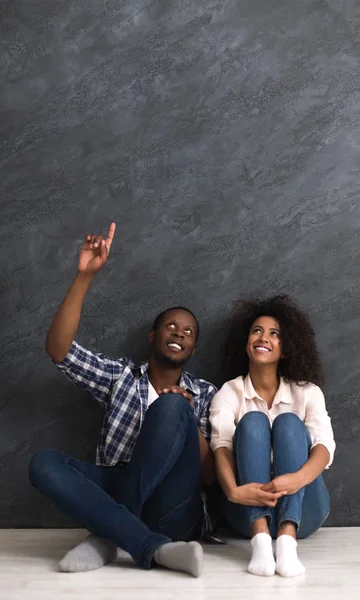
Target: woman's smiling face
264,344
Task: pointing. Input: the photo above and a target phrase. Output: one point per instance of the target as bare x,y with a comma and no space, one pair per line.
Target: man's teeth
173,345
262,349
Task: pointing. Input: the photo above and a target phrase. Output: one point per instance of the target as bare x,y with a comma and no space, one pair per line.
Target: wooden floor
28,571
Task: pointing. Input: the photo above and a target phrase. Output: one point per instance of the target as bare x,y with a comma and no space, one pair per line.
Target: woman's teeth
262,349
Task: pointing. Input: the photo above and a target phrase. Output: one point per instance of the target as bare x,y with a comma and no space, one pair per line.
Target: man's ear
151,336
193,352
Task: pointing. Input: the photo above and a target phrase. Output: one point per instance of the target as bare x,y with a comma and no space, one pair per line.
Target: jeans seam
281,517
160,475
176,507
266,513
305,432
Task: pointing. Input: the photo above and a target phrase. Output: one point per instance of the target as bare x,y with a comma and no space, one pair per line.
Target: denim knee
286,423
254,424
42,467
171,406
253,419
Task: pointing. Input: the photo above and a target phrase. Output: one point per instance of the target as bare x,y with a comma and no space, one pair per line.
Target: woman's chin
263,360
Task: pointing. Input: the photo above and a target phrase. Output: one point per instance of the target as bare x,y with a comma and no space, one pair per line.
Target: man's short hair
160,316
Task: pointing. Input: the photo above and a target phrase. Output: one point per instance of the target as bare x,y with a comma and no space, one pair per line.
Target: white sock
287,562
262,560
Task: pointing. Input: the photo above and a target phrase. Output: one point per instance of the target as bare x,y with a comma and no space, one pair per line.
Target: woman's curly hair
301,363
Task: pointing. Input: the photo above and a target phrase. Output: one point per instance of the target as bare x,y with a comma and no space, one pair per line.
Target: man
143,495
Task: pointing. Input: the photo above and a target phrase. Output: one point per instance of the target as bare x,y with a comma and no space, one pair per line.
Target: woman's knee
288,429
253,419
254,424
288,422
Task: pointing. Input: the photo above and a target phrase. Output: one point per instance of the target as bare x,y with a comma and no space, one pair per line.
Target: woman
271,433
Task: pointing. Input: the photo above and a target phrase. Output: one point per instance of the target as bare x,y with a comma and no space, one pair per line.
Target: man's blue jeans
291,443
153,500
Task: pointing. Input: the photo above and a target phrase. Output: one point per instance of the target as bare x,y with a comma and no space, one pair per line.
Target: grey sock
92,553
181,556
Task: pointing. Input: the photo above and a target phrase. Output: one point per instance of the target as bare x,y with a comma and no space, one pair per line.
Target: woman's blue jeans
153,500
290,441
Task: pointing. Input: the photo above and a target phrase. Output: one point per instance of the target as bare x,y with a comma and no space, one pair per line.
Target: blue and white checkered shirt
122,389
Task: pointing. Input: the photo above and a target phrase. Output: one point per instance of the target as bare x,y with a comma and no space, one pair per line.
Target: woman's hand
291,482
253,494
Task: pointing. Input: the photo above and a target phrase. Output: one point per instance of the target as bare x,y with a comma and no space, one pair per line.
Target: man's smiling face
175,338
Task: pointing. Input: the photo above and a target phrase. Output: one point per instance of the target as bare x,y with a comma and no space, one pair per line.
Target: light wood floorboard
28,571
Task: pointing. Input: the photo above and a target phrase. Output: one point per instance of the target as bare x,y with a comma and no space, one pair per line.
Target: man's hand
253,494
176,389
95,252
291,482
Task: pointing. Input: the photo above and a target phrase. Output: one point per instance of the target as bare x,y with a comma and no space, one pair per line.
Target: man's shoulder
198,385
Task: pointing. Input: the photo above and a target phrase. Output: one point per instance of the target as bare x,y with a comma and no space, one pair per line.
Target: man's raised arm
93,256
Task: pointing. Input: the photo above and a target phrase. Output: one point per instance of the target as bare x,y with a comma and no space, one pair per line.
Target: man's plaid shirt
122,387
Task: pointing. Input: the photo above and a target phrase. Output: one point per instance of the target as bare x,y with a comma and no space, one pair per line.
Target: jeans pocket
182,522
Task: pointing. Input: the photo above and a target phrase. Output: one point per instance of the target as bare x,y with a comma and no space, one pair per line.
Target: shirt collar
142,367
282,395
187,382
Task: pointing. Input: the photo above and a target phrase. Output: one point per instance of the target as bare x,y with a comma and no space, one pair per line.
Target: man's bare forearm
66,321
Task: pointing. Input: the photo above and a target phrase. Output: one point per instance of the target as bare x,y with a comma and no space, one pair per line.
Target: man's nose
178,334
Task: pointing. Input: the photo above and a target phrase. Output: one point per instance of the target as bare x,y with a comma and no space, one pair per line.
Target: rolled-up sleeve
204,418
94,373
318,421
222,419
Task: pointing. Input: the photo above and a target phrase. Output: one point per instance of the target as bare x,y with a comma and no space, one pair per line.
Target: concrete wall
223,138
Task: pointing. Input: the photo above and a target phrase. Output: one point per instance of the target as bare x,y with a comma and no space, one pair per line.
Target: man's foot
287,562
91,554
181,556
262,560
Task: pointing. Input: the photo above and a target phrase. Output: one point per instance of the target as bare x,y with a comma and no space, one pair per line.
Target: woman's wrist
234,494
302,477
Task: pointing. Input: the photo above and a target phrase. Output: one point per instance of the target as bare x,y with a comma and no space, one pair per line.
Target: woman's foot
262,561
287,562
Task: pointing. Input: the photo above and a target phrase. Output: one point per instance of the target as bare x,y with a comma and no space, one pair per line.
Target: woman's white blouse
237,397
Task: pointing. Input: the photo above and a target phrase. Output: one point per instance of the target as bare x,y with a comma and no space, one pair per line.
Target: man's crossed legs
144,507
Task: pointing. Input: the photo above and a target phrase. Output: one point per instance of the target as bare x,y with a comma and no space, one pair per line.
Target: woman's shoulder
305,390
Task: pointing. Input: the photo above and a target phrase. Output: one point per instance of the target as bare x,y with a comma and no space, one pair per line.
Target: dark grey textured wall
223,138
